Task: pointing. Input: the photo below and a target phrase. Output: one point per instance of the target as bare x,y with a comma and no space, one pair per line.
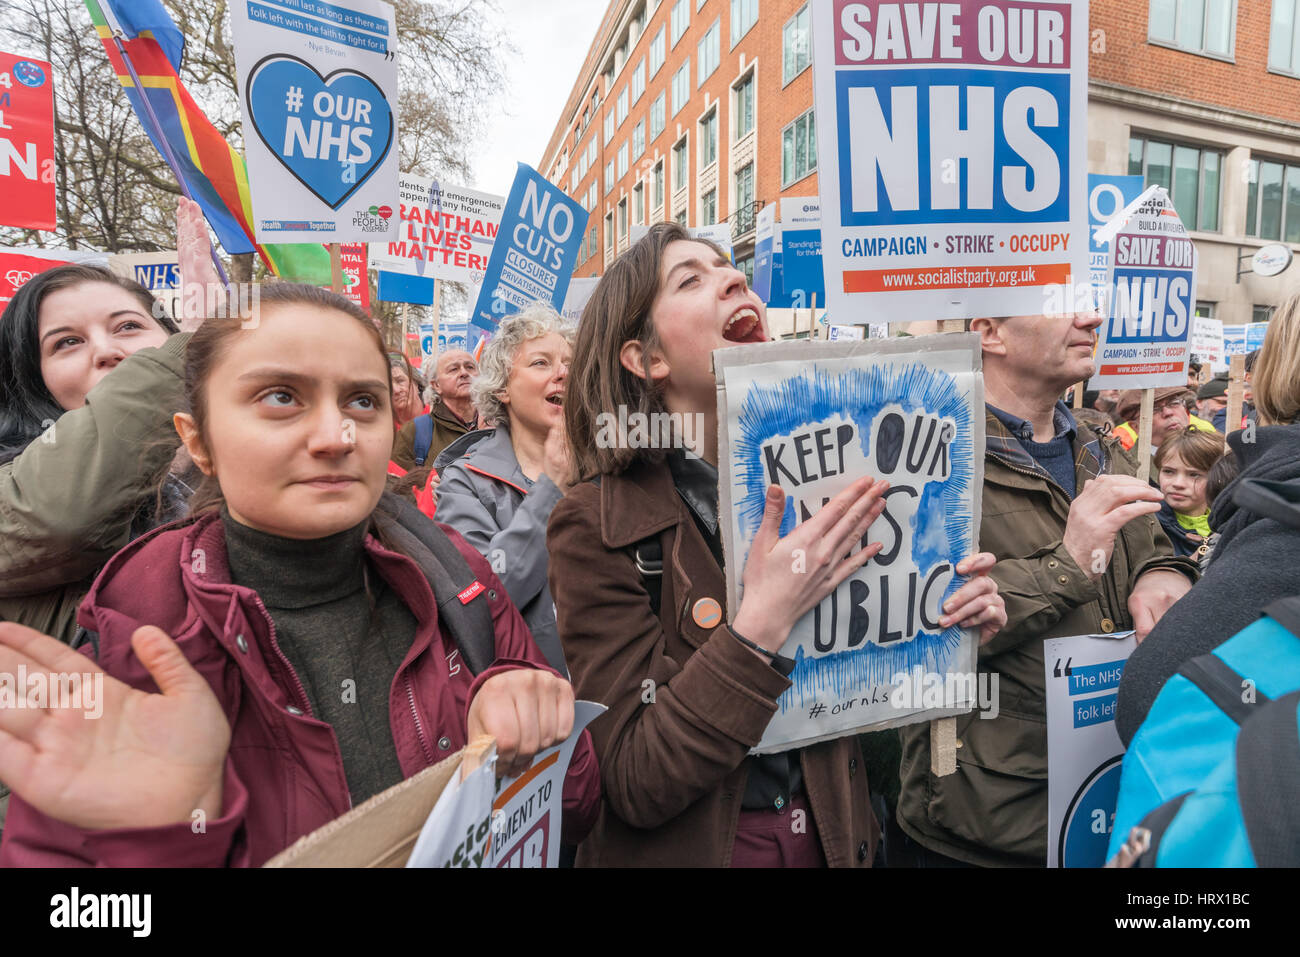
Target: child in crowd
1183,462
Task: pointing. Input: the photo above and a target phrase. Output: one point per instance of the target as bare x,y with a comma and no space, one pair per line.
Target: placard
951,148
1084,751
318,84
1145,342
26,142
1207,343
813,418
445,231
1108,197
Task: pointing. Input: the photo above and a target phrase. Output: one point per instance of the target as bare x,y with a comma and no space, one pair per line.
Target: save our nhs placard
813,418
534,254
951,140
1145,342
319,101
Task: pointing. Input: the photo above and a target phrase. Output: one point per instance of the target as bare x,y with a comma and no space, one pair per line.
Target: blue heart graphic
330,132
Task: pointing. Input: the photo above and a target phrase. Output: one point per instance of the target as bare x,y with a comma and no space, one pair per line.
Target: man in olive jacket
1080,551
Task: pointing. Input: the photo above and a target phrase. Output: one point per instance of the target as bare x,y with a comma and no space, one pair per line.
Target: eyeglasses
1167,406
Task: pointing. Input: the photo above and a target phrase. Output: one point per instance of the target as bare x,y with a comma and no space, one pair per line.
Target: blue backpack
1212,777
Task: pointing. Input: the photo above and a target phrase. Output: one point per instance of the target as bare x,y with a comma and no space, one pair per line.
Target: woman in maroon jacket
280,657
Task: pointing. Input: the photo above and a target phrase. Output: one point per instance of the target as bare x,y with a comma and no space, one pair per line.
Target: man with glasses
1079,552
1169,416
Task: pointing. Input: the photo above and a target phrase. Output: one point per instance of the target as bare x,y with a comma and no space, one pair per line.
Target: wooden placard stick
952,325
812,320
1236,393
943,747
336,269
1144,432
1078,395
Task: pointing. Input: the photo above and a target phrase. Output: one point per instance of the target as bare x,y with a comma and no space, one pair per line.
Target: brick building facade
701,111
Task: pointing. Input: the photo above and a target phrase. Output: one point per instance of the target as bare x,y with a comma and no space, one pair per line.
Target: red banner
26,142
16,268
353,258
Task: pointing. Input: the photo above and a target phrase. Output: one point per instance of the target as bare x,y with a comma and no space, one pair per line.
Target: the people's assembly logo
372,220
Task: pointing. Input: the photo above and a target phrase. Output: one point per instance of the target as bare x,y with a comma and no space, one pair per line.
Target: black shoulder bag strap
464,610
1268,782
648,556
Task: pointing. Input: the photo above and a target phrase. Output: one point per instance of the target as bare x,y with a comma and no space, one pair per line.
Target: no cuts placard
951,142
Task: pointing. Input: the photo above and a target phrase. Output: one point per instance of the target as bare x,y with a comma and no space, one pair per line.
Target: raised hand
121,757
199,279
557,462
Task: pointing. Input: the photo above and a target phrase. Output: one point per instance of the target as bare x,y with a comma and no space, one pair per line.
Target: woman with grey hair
498,486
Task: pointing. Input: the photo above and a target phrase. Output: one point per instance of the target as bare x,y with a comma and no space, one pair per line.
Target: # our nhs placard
951,144
534,255
319,100
813,418
1146,340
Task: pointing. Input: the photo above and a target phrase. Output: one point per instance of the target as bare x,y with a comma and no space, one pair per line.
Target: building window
680,161
609,176
622,105
1261,313
609,230
709,139
591,243
610,126
592,197
657,186
591,154
1189,173
638,79
681,19
1205,310
622,160
1273,201
1284,37
622,218
638,140
638,204
1197,26
796,45
798,149
710,50
573,181
658,114
681,86
681,218
746,266
709,208
744,14
744,110
658,50
745,186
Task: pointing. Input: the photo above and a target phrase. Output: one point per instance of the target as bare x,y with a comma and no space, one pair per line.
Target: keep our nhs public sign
951,151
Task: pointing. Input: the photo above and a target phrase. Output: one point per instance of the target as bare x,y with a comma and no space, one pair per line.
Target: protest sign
1084,751
541,232
26,142
445,231
1207,343
19,265
159,272
452,336
319,85
951,141
718,233
473,826
763,234
1108,196
1244,338
355,274
580,291
399,287
844,333
1145,342
814,418
801,252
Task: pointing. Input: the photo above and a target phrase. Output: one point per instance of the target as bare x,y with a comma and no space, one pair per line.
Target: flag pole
115,30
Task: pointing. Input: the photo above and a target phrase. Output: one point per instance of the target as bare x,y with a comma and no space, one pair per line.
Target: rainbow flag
213,170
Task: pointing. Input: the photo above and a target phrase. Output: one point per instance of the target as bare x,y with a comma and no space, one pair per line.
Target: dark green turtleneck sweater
345,653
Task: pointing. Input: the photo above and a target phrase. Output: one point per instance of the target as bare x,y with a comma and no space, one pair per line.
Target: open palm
123,758
197,270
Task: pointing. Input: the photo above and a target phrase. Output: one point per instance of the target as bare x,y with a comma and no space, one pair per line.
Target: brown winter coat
686,703
446,430
993,810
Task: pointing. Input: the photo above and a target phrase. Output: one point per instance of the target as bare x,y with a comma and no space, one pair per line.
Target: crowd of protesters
233,524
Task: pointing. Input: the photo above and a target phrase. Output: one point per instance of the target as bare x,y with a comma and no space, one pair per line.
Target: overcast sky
551,38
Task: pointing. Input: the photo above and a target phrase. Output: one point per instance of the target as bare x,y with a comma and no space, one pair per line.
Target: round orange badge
707,612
